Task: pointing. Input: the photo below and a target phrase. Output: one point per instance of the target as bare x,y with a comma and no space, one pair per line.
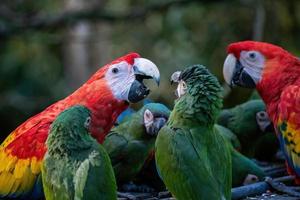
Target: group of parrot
91,144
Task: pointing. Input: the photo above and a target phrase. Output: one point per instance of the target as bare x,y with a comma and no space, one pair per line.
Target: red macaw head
250,64
124,77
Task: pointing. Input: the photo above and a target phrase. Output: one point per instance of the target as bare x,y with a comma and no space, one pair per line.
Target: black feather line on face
187,73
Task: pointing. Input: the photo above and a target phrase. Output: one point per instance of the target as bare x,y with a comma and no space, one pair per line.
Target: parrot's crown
268,50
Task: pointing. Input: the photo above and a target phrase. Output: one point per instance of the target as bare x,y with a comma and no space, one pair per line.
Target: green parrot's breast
191,166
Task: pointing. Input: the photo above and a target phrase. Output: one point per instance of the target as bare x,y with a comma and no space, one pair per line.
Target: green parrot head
199,94
155,116
70,130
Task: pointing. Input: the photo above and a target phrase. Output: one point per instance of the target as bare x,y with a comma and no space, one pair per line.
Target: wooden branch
256,188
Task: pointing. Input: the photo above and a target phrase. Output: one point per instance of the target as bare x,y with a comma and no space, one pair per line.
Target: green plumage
241,165
129,145
229,135
192,157
241,120
76,166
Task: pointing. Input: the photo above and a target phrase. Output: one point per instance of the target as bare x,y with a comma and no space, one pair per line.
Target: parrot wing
21,158
88,185
21,155
115,144
288,126
177,162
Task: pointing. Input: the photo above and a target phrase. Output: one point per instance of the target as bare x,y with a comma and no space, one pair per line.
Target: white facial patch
253,63
181,88
119,77
148,118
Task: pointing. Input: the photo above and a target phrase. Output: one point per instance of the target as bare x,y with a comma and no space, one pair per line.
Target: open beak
234,73
143,69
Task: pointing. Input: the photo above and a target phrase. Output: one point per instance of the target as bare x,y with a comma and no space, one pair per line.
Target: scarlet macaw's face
245,63
125,79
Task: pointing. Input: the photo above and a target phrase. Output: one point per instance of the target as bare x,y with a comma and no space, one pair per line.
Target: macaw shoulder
34,124
288,124
22,152
289,106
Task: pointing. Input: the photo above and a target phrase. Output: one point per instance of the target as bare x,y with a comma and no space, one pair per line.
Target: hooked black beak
157,124
235,74
143,69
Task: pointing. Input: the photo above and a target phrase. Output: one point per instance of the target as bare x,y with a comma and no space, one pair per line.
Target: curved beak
146,68
143,69
234,73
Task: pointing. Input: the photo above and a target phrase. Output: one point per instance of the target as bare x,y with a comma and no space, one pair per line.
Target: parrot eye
252,55
115,70
184,86
87,122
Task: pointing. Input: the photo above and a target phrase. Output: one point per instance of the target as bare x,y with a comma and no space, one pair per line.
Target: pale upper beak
143,69
229,68
235,74
147,69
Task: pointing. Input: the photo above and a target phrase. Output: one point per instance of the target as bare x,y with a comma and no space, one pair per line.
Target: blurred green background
50,47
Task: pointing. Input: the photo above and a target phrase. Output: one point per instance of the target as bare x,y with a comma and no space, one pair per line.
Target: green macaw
267,145
76,166
244,170
131,143
250,122
193,159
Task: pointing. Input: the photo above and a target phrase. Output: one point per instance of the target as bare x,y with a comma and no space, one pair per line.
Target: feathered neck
105,108
278,74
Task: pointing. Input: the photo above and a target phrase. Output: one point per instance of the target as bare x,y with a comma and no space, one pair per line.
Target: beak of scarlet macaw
142,69
236,74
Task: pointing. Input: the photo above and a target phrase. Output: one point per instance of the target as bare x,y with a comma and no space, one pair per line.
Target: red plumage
279,87
25,147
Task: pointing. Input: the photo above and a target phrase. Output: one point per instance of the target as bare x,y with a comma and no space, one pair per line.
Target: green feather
193,158
241,120
128,144
76,166
229,135
241,165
